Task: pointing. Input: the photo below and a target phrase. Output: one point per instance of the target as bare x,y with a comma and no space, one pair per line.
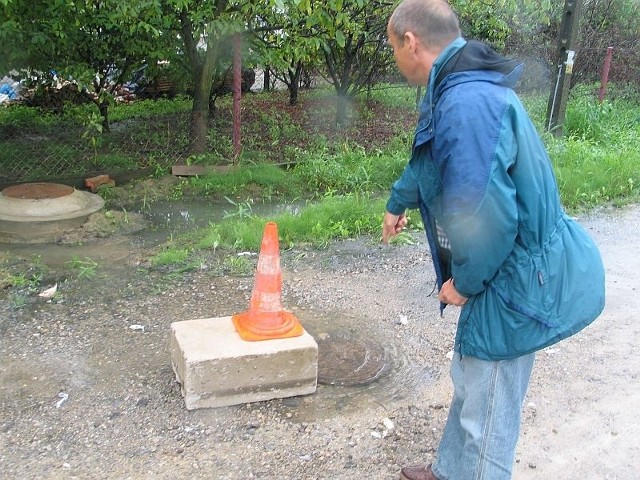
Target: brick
216,368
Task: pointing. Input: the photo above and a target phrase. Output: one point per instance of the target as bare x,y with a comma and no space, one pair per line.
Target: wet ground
87,390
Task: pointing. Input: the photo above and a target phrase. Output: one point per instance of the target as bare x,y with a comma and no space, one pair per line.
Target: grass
597,162
343,176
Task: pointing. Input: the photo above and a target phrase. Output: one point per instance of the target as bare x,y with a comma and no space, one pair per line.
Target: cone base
247,328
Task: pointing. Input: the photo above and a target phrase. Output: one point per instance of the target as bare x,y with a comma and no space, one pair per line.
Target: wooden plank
187,170
192,170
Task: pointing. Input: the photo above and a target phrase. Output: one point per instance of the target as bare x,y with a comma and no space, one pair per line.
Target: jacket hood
460,62
484,62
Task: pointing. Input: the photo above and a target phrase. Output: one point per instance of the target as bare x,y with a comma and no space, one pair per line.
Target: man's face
406,60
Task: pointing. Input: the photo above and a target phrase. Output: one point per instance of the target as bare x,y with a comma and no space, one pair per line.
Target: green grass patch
150,108
316,224
258,181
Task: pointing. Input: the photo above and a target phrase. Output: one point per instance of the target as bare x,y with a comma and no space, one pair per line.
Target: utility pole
564,59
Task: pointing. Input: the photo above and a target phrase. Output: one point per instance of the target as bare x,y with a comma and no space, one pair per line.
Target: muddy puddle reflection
165,220
361,366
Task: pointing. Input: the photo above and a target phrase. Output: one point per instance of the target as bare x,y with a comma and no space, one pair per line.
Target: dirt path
583,415
83,395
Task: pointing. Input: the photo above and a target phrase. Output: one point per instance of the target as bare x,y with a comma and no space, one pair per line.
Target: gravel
84,395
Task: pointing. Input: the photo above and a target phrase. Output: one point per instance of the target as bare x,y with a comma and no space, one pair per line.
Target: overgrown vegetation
335,185
596,163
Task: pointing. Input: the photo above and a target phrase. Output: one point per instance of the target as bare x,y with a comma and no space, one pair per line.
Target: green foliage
21,274
238,265
264,180
171,256
598,160
94,44
316,224
396,96
352,36
150,108
589,175
495,21
115,162
243,209
350,169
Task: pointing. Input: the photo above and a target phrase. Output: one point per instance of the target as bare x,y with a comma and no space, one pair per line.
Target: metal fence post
604,79
237,93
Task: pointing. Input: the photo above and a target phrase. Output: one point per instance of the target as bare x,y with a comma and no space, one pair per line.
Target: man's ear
411,40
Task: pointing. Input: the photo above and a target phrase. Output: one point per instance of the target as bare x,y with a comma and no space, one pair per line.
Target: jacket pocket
525,286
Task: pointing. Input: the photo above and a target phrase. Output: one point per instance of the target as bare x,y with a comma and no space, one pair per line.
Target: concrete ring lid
46,202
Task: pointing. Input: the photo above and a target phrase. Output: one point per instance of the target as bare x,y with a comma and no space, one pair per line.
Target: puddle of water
398,377
166,218
173,217
401,378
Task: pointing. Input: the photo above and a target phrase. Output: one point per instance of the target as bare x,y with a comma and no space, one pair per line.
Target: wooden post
565,58
237,93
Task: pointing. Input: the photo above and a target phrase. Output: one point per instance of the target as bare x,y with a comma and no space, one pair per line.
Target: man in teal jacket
525,274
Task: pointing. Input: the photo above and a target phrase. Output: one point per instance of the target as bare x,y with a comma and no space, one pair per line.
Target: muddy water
382,369
113,255
400,376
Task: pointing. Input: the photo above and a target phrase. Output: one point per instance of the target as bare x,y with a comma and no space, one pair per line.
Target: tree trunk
104,111
293,93
294,85
202,65
266,79
342,101
199,119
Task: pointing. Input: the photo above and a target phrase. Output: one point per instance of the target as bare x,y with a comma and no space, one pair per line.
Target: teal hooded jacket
486,190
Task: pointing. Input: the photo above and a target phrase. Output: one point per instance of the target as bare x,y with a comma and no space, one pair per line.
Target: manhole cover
38,191
348,362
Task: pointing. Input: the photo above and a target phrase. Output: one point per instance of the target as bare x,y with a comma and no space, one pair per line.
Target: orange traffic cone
265,318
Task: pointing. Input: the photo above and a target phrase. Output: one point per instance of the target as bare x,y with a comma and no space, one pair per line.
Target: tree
205,27
494,21
96,44
608,23
286,44
352,36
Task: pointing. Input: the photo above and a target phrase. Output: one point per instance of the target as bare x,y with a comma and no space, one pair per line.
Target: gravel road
84,395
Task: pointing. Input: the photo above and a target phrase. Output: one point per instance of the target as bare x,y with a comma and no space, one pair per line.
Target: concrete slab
39,212
216,368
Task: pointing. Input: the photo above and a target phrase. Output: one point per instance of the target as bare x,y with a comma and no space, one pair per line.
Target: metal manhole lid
349,362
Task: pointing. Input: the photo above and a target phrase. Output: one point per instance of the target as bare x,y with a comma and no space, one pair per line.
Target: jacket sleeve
404,192
474,148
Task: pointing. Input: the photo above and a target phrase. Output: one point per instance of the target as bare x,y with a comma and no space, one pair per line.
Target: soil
87,390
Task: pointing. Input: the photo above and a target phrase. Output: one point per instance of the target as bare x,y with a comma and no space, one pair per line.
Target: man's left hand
449,295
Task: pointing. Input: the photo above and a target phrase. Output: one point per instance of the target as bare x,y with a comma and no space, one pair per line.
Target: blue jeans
480,437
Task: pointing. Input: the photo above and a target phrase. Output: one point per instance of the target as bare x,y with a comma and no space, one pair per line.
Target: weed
18,301
93,130
403,238
243,209
238,265
171,256
86,268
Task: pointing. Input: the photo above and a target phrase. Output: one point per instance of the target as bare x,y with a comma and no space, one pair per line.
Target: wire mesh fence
68,142
152,135
64,148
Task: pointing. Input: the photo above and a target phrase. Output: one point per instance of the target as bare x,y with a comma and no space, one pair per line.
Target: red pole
605,74
237,93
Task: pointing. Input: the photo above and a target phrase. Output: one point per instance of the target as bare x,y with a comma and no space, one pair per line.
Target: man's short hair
433,21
